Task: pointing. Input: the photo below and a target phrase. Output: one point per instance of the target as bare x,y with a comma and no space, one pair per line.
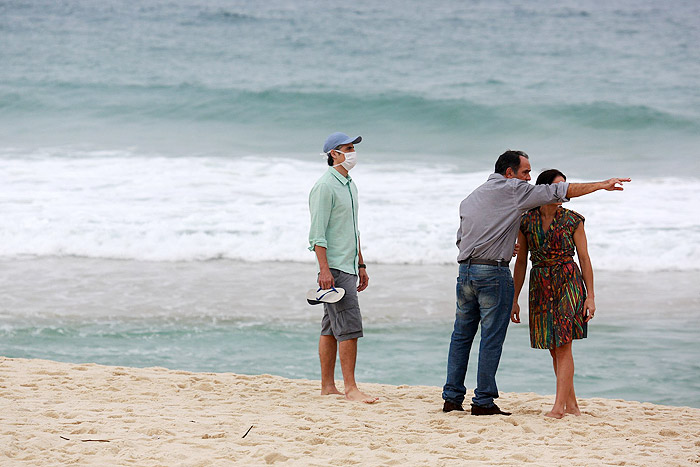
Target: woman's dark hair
509,159
547,177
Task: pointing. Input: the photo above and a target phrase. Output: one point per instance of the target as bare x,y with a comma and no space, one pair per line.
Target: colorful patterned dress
557,292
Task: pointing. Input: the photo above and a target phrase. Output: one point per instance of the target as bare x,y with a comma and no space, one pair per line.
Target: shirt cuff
565,189
319,242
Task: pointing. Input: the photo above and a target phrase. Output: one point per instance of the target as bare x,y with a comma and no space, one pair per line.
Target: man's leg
326,351
348,357
345,321
465,327
495,294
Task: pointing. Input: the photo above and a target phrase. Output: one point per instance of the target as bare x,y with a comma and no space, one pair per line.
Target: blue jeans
484,294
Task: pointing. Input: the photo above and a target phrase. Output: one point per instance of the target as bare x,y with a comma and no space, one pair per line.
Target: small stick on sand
246,433
88,440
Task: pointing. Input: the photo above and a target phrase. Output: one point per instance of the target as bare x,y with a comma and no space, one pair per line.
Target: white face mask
350,160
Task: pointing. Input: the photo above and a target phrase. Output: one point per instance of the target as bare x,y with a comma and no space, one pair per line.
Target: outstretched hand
612,183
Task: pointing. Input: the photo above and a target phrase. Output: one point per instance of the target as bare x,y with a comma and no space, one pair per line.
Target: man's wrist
362,266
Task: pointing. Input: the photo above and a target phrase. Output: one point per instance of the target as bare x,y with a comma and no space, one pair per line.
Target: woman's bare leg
565,380
571,402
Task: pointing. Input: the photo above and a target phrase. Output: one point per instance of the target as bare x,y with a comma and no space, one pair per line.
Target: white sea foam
128,206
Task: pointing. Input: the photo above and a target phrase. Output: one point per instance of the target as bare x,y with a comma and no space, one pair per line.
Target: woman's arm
519,276
586,270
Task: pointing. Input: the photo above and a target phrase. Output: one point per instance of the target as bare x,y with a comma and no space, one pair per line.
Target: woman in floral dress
560,306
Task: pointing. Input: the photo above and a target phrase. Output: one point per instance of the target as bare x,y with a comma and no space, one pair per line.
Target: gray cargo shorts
342,319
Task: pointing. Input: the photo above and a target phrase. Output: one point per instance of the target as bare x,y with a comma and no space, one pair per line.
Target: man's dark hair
509,159
330,158
547,177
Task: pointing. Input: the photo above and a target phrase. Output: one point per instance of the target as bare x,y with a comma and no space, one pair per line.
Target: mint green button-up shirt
333,206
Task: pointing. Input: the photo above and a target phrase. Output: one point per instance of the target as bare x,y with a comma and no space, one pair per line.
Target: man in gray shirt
490,217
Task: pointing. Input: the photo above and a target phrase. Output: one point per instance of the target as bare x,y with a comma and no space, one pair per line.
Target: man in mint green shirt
335,239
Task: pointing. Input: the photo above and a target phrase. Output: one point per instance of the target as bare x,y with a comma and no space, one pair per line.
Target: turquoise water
614,82
395,354
216,316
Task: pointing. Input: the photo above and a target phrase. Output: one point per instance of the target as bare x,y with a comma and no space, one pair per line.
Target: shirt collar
339,176
497,176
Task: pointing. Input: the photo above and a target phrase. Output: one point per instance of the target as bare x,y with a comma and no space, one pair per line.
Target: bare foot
553,414
573,411
359,396
330,390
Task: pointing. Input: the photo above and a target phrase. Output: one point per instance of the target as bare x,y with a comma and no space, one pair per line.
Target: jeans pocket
488,291
491,283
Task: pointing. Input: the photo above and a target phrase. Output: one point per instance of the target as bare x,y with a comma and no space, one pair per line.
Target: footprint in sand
84,430
275,457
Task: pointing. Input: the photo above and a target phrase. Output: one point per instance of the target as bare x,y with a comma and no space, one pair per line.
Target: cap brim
352,141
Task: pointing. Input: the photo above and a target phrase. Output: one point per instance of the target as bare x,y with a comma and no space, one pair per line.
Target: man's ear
509,173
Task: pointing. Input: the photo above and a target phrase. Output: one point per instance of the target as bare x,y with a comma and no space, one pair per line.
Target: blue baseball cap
338,139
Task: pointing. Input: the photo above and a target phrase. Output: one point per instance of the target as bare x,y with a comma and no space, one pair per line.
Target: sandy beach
87,414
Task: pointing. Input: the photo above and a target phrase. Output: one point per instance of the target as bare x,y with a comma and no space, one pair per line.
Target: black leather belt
488,262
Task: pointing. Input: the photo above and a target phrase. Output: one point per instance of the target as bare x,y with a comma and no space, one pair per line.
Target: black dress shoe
450,406
493,410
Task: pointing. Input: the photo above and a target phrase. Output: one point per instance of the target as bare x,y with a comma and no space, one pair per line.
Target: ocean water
252,318
156,158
